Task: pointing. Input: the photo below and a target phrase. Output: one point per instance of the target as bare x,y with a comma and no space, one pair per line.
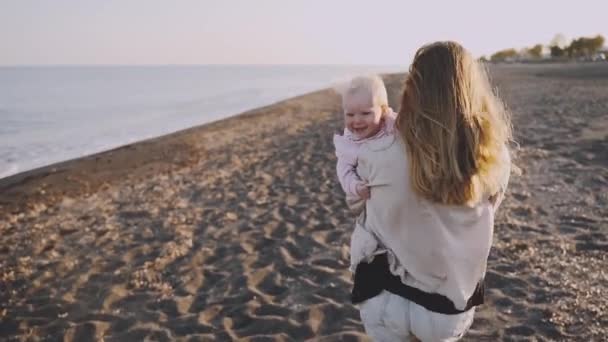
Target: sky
378,32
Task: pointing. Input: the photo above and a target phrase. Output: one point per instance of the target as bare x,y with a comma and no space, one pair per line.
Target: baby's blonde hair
372,85
454,126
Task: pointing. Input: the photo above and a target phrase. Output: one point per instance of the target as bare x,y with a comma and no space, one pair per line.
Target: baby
367,116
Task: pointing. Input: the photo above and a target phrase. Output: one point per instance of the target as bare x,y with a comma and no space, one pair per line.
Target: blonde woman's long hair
454,126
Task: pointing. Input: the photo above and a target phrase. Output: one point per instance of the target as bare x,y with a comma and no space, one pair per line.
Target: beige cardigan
436,248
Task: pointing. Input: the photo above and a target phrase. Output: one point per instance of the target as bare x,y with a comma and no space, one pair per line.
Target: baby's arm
350,181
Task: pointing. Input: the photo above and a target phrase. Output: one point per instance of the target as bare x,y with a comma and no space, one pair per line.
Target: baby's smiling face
362,116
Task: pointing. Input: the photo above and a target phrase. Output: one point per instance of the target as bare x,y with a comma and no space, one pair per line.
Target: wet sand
238,229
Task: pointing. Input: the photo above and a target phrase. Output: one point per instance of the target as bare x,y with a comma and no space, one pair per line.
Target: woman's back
443,248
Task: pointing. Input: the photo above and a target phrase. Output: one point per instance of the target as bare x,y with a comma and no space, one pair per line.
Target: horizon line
194,64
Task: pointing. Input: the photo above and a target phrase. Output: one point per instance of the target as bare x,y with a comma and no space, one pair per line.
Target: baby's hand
363,191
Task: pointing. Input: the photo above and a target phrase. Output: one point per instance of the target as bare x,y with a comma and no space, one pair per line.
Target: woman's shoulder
505,154
387,151
506,164
380,144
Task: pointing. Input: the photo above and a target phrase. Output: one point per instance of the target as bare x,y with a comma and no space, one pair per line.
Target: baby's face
361,116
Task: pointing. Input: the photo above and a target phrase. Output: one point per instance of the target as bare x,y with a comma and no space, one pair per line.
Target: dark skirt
372,278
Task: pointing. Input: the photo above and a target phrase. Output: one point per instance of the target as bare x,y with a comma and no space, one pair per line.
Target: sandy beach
238,229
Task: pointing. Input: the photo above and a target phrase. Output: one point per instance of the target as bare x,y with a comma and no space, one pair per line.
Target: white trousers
389,317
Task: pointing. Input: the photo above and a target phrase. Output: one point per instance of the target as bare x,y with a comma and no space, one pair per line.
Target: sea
50,114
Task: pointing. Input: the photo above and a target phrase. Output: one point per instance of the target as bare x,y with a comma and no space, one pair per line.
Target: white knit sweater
435,248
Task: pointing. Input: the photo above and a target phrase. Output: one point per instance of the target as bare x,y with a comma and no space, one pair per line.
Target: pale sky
278,31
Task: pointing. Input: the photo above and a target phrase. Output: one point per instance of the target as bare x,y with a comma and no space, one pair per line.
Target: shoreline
161,102
134,161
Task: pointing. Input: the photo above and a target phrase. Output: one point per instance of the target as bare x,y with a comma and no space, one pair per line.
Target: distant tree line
579,47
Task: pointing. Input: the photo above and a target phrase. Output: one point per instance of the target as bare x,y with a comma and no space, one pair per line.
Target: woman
435,187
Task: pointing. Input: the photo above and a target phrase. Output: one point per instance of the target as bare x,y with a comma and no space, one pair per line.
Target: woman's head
364,102
453,124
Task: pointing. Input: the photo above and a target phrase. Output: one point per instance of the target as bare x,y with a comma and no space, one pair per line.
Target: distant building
598,57
546,54
601,55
